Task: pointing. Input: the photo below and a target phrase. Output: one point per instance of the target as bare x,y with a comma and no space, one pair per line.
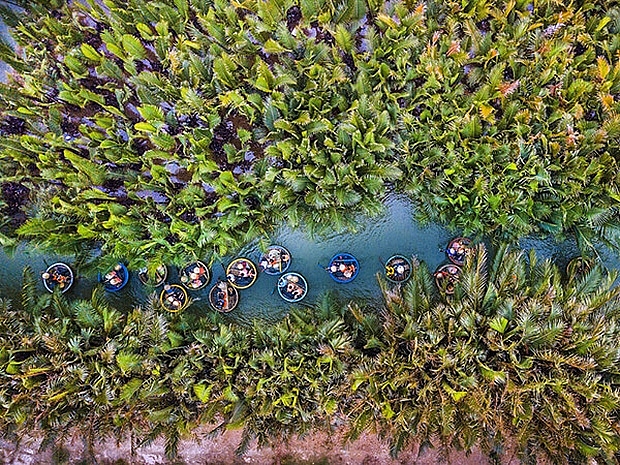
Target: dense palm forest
521,354
165,130
162,130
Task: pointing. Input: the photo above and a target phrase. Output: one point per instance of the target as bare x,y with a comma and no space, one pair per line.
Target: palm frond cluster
521,356
165,129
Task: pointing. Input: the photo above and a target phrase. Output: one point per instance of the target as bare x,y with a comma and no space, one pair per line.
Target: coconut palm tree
512,354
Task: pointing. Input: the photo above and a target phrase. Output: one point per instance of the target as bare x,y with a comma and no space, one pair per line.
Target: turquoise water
393,232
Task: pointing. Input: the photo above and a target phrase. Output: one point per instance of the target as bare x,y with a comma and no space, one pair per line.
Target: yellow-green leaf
133,47
203,392
388,21
602,67
271,46
89,52
146,127
145,31
486,110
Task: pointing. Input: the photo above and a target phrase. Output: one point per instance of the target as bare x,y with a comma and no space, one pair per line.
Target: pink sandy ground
318,448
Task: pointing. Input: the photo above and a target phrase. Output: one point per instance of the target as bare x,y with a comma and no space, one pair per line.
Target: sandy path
318,448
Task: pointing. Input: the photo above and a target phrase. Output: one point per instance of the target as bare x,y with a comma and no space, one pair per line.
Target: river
395,231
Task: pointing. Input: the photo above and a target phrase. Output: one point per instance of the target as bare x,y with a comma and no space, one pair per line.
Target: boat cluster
446,276
241,273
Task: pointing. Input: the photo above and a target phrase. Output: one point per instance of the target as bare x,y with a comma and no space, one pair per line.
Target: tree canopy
162,130
522,355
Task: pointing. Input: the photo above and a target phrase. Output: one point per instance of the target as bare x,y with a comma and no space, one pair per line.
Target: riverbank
316,448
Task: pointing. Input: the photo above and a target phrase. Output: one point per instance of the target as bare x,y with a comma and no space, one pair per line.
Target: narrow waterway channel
377,239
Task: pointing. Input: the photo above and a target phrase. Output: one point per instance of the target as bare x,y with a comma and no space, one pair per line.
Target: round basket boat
343,268
223,297
292,287
446,277
57,275
397,269
195,276
276,260
161,273
458,249
115,279
578,266
173,298
241,273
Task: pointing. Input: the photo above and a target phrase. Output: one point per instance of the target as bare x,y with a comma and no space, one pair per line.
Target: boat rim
62,264
345,256
281,248
239,259
283,278
176,286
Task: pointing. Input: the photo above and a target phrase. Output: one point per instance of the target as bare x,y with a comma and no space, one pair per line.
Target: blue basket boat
115,279
343,268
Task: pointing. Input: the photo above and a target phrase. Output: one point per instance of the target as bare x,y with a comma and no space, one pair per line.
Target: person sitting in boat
248,269
453,270
196,276
55,277
113,277
174,299
458,251
221,298
242,270
293,288
173,302
273,257
348,271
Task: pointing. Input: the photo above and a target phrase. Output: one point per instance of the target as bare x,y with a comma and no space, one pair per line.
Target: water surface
394,232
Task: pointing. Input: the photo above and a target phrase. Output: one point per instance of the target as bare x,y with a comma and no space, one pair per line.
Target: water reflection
393,232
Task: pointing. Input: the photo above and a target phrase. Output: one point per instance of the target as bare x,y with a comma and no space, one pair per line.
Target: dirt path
318,448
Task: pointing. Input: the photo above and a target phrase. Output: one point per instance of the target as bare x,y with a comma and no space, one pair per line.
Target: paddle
280,279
